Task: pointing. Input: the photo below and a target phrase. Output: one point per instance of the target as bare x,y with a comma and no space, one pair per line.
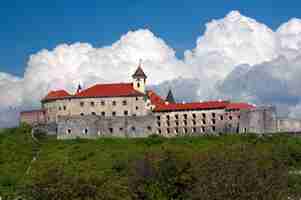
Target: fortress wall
75,106
199,122
260,120
289,125
91,126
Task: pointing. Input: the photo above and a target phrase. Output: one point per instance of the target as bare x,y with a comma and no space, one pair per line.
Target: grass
103,156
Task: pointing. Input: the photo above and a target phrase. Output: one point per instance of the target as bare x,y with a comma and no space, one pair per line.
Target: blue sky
31,25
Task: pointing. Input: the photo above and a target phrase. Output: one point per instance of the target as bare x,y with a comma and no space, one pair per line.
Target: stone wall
199,122
289,125
119,106
91,126
260,120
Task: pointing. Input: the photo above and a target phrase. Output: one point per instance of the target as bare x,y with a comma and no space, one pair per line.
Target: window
133,128
138,85
185,130
158,117
168,130
203,129
92,104
120,129
204,115
134,115
203,121
114,113
159,131
86,131
193,129
221,117
126,113
177,123
245,130
213,115
176,130
82,104
230,117
111,130
149,128
213,128
103,114
64,107
124,102
69,131
102,103
177,116
60,108
137,107
167,117
168,124
194,115
114,103
185,116
238,116
137,98
213,121
82,114
93,113
158,123
185,122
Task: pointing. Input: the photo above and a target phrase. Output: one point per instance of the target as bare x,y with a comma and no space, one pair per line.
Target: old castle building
129,110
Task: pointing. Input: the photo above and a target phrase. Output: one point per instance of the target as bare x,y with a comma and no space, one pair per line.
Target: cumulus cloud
236,58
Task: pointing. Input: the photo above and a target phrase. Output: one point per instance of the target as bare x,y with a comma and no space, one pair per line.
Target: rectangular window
102,103
185,116
213,121
114,103
103,114
177,116
204,115
194,122
213,115
111,130
204,121
92,104
126,113
114,113
124,102
213,128
194,115
158,117
82,104
230,117
167,117
203,129
221,117
64,107
137,108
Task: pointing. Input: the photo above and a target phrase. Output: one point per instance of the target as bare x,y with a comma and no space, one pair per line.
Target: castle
130,110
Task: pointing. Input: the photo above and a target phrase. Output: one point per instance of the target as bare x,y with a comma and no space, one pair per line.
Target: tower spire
170,98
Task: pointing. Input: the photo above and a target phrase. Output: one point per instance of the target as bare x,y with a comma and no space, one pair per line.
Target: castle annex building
130,110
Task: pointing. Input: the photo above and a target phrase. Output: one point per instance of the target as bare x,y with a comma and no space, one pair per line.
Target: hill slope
154,168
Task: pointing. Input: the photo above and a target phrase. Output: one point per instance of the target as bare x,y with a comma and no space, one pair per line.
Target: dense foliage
226,167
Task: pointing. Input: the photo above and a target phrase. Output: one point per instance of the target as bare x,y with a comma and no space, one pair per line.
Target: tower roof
139,73
170,97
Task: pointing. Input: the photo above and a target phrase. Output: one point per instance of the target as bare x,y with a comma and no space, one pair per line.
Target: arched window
85,131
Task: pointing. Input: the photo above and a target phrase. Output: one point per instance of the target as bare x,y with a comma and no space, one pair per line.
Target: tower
170,98
139,79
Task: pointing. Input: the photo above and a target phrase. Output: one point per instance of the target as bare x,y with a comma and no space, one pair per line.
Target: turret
170,98
139,79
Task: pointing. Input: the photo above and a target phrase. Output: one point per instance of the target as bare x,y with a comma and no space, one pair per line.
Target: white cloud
229,42
242,58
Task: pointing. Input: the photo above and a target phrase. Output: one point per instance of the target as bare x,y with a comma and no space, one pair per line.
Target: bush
229,173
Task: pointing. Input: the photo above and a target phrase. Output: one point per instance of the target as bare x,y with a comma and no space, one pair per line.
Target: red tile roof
154,98
191,106
59,94
161,105
110,90
240,106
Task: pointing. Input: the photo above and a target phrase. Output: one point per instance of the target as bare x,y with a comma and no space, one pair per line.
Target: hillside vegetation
226,167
